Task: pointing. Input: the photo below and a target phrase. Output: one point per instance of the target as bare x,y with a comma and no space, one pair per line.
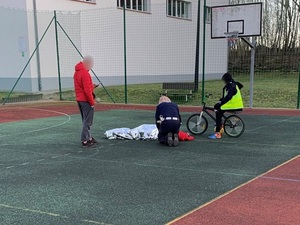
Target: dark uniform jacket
167,109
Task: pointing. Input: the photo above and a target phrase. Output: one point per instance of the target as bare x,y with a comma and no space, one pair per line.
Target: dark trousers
168,126
219,115
87,116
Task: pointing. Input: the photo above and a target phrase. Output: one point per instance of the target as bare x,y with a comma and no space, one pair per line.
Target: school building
160,41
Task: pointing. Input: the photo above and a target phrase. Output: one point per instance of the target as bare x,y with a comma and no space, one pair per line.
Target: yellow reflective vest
236,102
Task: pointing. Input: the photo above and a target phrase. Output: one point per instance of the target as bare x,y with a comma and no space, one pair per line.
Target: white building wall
65,5
13,26
13,4
159,48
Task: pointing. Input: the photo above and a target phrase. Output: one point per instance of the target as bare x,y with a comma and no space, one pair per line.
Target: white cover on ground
143,132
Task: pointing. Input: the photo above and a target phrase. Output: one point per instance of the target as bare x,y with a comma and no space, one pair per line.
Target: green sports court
139,51
48,178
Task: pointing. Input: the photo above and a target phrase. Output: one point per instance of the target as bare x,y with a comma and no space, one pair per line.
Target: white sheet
143,132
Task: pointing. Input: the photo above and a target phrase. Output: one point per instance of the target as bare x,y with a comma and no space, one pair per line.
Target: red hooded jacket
83,85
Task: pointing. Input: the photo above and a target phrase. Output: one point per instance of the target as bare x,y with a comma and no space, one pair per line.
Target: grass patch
271,90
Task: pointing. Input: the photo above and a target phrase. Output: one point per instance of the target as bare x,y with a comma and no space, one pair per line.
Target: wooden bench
178,90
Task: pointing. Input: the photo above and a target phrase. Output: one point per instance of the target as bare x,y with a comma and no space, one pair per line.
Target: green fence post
125,53
298,101
57,57
196,78
204,43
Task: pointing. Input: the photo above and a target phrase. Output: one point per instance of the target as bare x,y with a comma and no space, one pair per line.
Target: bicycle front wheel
197,124
234,126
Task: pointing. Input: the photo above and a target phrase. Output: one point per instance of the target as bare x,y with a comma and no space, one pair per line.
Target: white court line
43,128
91,157
9,167
270,124
280,179
229,192
48,214
246,143
72,158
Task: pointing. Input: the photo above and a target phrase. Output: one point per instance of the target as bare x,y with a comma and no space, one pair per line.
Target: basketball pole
252,71
298,101
252,45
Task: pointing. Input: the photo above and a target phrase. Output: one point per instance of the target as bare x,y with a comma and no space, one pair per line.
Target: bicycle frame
207,110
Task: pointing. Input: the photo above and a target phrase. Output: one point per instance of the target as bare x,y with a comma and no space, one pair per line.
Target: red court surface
271,199
35,110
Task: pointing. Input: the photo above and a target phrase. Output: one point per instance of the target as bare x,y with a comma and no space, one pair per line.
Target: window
179,8
87,1
138,5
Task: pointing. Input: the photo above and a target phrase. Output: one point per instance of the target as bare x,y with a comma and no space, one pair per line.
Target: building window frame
135,5
180,9
87,1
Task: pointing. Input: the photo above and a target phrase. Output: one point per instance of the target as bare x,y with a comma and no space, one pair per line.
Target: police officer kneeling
168,121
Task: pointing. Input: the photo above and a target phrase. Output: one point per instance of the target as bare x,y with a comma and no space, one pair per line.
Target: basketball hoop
232,38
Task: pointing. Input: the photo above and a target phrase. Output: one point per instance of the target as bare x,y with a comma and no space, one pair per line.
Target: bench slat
178,86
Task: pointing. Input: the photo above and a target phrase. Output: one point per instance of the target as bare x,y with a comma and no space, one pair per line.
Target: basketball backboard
244,18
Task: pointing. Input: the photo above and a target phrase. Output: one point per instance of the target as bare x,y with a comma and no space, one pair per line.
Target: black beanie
227,77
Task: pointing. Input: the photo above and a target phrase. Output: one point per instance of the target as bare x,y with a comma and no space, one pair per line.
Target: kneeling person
168,121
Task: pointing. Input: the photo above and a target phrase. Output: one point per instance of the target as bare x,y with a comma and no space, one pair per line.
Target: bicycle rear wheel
197,124
234,126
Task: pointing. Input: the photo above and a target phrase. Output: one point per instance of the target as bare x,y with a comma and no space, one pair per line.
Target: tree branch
296,3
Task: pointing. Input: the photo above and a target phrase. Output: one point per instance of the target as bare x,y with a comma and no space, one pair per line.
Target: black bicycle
232,125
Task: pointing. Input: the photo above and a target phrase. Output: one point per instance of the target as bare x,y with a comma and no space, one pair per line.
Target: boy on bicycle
230,101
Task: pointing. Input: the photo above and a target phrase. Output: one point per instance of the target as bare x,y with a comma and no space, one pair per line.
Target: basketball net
232,38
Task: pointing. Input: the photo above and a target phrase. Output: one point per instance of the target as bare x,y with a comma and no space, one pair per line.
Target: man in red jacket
84,88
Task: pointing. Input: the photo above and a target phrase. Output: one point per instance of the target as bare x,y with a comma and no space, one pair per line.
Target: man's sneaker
93,141
215,136
170,141
88,144
175,139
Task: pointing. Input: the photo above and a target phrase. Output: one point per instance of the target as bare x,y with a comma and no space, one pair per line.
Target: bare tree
297,4
279,46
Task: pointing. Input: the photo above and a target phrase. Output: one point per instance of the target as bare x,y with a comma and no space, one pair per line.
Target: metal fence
136,54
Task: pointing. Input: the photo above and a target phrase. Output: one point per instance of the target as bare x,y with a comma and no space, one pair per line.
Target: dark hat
227,77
